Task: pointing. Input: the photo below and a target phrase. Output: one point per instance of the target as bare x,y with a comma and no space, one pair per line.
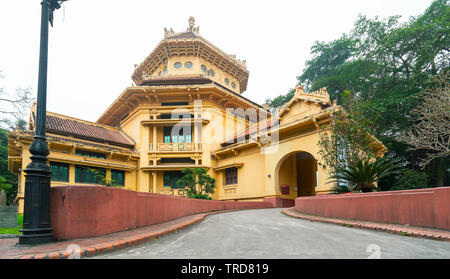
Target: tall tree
14,107
8,180
430,130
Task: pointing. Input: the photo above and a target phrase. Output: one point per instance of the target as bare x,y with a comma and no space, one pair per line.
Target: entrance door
306,174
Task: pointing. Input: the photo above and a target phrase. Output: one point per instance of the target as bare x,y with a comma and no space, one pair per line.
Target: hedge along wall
422,207
86,211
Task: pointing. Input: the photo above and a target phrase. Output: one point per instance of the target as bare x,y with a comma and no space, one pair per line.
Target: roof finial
191,23
192,27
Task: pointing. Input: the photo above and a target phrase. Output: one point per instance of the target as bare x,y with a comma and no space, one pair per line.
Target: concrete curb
389,228
119,244
3,236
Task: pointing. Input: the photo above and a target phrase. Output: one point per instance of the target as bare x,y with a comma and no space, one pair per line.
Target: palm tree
364,175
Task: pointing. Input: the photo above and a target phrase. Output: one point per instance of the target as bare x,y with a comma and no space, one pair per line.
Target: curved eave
149,92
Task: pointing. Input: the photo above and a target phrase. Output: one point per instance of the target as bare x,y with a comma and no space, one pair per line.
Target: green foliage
101,178
345,142
341,189
4,185
410,179
8,180
364,175
20,219
385,64
200,196
197,182
14,230
10,230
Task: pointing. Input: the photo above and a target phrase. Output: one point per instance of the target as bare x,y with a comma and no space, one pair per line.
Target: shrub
364,175
410,179
197,182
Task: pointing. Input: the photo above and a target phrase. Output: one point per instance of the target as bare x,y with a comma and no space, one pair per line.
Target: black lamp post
36,215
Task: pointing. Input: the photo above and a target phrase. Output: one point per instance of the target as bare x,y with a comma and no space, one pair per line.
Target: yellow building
187,110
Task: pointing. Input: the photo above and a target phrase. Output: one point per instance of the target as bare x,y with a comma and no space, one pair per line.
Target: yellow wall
262,169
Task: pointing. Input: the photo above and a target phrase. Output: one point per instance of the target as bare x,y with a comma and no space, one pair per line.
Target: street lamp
36,215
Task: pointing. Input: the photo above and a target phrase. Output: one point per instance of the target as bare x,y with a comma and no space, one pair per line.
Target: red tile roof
260,126
87,131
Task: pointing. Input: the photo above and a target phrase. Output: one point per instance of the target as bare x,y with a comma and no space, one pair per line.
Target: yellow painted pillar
155,176
154,138
72,174
108,175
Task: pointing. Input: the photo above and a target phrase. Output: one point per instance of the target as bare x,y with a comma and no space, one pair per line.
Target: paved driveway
267,233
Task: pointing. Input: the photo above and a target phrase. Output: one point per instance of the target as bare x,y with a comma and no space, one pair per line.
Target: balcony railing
172,192
176,147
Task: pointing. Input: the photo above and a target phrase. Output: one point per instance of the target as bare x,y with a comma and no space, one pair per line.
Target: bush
197,177
341,189
364,175
410,179
200,196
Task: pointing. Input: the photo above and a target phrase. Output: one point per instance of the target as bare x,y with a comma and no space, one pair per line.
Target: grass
14,230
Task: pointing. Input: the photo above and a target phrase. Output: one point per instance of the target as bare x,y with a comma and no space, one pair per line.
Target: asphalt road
268,234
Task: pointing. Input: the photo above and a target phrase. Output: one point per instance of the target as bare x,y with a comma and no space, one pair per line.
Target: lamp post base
35,236
36,217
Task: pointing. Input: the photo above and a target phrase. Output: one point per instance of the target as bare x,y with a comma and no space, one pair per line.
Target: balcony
176,147
172,192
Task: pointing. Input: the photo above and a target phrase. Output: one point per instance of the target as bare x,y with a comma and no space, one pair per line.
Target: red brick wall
279,202
421,207
86,211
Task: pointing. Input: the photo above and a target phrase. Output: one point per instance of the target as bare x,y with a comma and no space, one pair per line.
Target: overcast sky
94,44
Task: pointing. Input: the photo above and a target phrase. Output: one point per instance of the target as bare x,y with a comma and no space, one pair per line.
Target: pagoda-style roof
190,43
58,124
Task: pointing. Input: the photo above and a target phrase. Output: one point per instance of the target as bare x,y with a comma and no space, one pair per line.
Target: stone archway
296,176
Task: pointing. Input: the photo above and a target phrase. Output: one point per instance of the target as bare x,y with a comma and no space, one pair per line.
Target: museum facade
186,109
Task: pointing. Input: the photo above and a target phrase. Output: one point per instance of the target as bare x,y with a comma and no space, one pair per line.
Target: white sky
94,44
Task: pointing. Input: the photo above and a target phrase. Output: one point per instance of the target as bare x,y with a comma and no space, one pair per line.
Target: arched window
227,81
165,70
188,65
211,72
233,85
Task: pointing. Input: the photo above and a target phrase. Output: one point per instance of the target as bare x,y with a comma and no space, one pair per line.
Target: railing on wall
174,147
170,192
173,192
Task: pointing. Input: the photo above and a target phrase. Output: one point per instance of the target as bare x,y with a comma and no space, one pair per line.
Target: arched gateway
297,175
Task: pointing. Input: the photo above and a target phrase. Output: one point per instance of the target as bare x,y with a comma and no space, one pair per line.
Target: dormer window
177,65
188,65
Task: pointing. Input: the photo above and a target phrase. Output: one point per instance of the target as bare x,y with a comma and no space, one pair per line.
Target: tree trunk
438,172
